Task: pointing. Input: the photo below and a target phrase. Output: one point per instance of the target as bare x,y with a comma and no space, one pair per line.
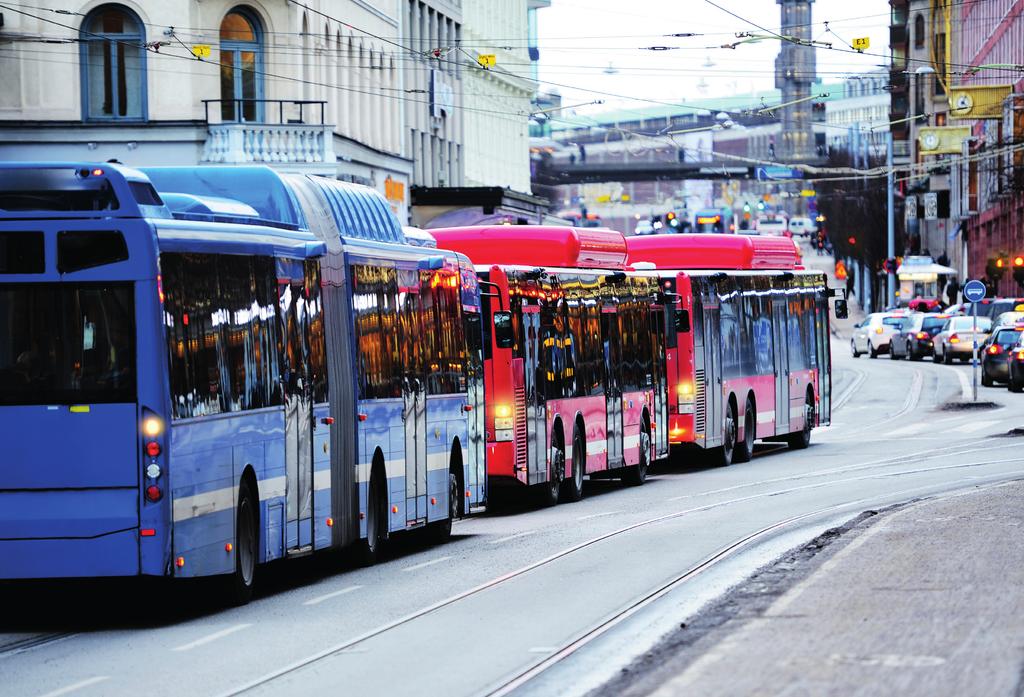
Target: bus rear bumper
114,554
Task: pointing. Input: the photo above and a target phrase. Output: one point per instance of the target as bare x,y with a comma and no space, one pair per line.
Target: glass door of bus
298,417
536,441
824,360
714,425
612,384
780,342
659,416
414,390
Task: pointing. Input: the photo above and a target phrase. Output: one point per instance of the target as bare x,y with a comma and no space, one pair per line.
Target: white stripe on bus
764,417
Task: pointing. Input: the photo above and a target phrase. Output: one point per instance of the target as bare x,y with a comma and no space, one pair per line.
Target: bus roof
235,238
536,245
711,251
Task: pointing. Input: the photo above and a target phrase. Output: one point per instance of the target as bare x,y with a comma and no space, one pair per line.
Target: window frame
236,47
87,37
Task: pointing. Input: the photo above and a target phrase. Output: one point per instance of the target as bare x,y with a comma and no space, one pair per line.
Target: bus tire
243,580
745,448
547,492
441,531
802,438
722,455
572,489
370,549
637,474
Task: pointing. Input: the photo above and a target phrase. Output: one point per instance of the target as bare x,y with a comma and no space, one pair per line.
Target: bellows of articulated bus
536,245
729,252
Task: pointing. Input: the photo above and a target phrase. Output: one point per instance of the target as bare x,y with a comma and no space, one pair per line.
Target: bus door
298,429
536,416
713,399
780,341
824,360
613,384
659,317
414,389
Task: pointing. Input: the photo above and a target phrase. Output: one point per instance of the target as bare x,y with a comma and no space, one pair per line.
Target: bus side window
504,337
682,320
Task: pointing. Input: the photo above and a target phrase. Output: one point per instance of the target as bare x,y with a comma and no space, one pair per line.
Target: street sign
201,50
808,193
931,206
487,60
974,291
862,43
774,172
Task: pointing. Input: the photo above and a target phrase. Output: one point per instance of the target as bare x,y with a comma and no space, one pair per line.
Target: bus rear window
56,189
67,343
22,252
84,249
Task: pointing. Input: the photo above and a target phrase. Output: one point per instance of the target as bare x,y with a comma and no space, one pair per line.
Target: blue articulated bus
204,369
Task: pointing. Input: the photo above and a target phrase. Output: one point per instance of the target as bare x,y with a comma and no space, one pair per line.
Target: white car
804,227
644,227
773,226
873,335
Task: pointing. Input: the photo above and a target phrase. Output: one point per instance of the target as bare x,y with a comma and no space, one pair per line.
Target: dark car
994,354
1015,366
914,341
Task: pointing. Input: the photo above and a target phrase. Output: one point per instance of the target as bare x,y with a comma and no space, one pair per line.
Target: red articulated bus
749,356
573,356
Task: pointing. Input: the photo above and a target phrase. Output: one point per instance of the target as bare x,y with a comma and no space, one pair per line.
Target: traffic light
852,240
1018,270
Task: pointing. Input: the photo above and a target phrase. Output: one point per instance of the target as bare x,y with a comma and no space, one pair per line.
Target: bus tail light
503,422
153,492
153,448
684,395
152,426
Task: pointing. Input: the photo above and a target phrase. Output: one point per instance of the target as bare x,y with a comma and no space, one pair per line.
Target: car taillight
995,349
922,335
878,331
954,339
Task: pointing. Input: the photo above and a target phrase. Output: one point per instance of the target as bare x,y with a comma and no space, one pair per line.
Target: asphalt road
547,601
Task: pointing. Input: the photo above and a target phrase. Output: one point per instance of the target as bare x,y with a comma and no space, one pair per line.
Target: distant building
857,121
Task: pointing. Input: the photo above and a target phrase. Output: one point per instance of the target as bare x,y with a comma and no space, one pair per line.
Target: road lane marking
77,686
416,567
211,637
597,515
512,537
328,596
542,649
972,426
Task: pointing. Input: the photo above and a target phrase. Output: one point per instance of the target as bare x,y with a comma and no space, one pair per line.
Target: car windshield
896,322
933,325
966,324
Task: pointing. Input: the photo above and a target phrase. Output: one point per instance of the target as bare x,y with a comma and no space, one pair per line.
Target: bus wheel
369,550
722,456
637,474
441,531
745,447
548,491
244,578
572,489
802,438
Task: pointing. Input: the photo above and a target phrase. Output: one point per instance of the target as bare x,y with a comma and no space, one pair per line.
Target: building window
113,65
241,66
919,31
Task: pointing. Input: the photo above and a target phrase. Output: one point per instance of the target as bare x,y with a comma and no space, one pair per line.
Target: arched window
113,64
919,31
241,66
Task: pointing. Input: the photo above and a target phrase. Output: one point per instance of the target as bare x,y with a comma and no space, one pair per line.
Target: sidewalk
840,327
924,600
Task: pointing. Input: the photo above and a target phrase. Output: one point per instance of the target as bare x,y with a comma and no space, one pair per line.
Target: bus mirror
503,330
682,320
842,312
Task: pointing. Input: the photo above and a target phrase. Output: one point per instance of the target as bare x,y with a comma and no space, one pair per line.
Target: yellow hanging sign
201,50
978,101
487,60
862,44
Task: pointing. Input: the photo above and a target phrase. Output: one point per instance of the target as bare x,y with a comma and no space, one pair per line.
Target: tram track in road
351,644
33,642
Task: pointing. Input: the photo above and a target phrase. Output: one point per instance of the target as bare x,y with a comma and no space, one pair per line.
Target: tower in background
794,74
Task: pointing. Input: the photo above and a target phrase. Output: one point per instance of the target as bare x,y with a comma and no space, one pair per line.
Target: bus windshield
67,343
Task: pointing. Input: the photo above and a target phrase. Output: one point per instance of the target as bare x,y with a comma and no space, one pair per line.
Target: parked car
1007,319
993,307
872,335
956,340
994,354
1015,366
914,340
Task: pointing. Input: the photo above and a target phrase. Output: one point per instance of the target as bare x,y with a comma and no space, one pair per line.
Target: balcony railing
268,131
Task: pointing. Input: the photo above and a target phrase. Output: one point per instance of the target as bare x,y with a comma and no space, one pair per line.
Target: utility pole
890,277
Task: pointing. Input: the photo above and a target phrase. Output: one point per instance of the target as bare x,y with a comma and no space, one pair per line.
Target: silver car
873,334
956,340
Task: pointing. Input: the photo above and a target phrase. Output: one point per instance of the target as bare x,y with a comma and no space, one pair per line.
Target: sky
582,39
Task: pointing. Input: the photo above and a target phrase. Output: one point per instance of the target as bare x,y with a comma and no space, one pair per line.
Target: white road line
542,649
597,515
912,428
211,637
965,383
416,567
77,686
972,426
328,596
512,537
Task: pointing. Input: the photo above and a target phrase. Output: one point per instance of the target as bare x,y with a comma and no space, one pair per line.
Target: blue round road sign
974,291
